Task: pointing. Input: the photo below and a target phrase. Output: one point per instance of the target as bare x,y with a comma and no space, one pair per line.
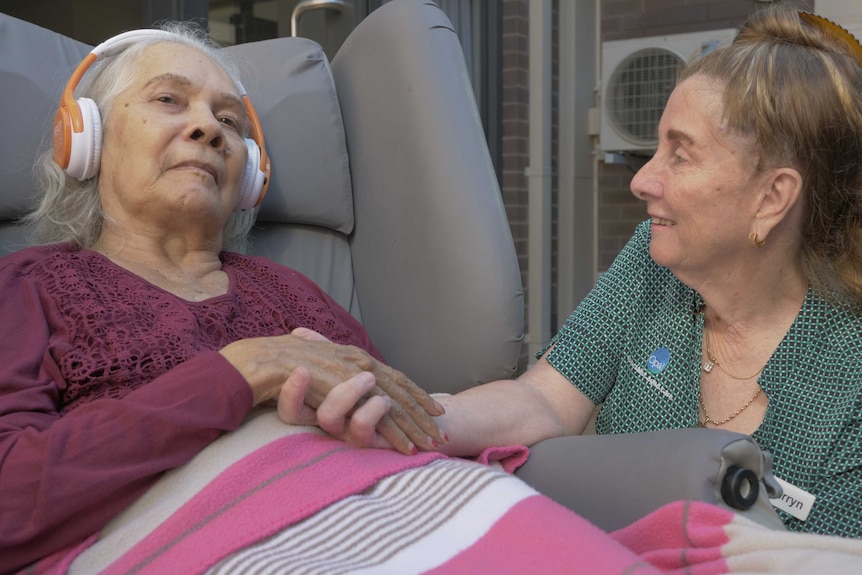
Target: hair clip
837,32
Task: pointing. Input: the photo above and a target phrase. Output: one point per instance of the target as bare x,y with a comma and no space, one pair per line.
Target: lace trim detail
114,331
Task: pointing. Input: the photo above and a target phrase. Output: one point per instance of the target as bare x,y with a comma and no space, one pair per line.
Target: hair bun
836,32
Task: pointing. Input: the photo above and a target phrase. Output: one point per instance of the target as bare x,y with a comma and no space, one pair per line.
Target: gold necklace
712,361
708,419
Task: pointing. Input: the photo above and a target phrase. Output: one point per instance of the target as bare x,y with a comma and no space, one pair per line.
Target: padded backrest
307,214
382,187
34,66
435,264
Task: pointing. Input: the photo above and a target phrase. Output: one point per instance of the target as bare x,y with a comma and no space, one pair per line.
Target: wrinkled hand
268,362
348,411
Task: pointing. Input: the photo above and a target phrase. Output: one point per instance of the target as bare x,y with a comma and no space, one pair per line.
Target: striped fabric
276,499
401,525
271,498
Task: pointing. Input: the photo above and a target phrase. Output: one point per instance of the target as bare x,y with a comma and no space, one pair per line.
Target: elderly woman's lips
199,166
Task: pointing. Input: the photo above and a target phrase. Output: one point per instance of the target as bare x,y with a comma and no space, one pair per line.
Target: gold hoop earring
752,237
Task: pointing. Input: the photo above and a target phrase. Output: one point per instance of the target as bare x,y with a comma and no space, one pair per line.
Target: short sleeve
588,348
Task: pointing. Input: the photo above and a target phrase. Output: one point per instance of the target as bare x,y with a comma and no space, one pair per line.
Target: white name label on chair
794,501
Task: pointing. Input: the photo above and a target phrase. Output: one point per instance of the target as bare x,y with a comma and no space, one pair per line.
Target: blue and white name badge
658,360
794,500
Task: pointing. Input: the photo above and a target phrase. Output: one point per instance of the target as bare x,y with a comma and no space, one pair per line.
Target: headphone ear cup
86,146
252,178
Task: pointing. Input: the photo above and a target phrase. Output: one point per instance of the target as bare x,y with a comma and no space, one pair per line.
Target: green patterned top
610,348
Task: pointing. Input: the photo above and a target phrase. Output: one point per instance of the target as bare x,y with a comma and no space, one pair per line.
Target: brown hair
795,87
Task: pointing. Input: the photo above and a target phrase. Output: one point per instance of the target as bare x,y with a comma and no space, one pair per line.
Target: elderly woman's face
173,146
700,187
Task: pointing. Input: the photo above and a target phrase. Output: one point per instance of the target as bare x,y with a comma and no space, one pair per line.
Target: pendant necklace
712,362
707,367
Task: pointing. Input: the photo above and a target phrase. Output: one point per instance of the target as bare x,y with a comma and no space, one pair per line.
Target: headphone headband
109,47
78,121
115,45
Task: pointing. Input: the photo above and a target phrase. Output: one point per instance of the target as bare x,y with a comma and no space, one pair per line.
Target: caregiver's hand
349,412
267,363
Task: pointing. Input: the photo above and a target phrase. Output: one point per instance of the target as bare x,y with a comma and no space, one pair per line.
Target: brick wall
638,18
515,127
619,212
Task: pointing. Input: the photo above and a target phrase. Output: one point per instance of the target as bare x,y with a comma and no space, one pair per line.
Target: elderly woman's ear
780,202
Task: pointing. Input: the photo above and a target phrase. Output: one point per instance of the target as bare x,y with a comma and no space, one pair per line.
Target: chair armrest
613,480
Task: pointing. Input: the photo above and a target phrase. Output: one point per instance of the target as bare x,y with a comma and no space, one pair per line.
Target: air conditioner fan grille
638,91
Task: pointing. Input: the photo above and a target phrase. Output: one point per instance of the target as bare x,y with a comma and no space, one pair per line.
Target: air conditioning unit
638,76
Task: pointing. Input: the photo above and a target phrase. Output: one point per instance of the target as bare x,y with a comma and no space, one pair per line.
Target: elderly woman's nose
212,137
204,127
645,183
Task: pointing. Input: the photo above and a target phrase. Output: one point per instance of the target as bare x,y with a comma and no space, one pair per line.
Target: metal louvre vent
638,91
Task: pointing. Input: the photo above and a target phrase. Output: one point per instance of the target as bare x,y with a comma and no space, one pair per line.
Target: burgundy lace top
106,381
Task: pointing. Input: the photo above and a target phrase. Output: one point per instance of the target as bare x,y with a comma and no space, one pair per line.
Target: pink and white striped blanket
271,498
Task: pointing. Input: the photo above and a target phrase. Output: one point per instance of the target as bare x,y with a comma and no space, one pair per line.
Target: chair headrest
35,66
291,86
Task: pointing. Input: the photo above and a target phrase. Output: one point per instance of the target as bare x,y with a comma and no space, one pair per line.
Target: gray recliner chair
383,193
387,199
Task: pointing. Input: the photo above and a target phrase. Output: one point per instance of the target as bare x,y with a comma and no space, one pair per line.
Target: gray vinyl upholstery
34,66
382,189
306,218
434,260
613,480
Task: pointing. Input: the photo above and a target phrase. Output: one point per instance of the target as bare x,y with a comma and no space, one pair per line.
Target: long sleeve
107,381
63,477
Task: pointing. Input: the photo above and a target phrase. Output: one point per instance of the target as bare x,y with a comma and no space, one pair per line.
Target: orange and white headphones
78,127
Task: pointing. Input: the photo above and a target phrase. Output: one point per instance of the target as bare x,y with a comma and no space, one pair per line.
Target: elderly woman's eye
678,156
166,99
230,122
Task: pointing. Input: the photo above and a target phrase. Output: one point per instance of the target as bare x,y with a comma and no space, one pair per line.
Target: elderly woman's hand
403,411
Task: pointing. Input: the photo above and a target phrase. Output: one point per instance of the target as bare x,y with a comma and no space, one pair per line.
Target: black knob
740,487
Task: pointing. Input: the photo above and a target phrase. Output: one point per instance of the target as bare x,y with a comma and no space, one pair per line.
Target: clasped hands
340,388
